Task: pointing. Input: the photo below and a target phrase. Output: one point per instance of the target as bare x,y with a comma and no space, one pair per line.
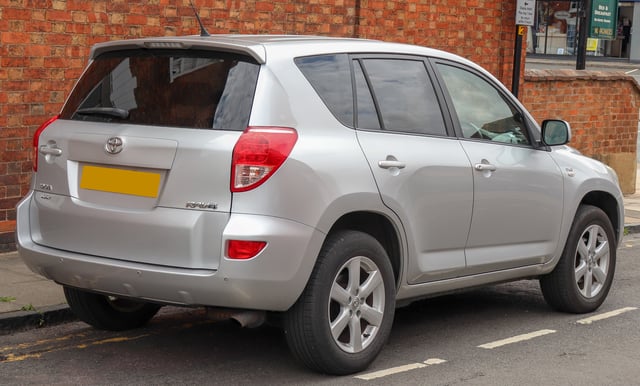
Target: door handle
46,150
388,164
485,167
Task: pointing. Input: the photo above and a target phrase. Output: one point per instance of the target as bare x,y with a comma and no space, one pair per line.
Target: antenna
203,31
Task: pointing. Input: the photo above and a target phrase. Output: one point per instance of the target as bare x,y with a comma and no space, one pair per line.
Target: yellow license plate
121,181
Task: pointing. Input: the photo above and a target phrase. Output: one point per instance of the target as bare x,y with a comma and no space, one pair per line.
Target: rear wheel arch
343,318
379,227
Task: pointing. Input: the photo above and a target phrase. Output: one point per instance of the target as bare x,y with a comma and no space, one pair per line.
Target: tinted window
330,76
166,88
405,96
367,115
483,112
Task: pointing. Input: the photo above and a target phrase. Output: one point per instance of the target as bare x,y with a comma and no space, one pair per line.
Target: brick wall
602,108
44,46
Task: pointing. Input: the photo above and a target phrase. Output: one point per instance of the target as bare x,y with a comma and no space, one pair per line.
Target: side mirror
555,132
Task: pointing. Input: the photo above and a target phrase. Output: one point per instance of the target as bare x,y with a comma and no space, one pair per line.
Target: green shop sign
604,19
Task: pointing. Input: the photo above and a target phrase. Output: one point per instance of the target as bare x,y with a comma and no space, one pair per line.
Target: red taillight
244,249
258,153
36,138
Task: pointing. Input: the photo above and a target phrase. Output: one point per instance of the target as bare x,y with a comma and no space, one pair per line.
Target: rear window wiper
110,111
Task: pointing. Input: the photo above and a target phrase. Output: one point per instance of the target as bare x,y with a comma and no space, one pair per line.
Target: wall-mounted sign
604,19
525,12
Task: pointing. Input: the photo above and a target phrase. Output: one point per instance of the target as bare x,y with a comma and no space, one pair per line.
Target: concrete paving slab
23,290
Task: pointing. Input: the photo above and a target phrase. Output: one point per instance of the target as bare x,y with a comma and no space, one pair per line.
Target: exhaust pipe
245,318
250,319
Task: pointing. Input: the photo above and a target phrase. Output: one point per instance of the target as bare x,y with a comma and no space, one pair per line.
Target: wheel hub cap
356,304
592,261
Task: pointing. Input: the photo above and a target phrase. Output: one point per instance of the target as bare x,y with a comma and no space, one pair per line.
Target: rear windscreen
193,89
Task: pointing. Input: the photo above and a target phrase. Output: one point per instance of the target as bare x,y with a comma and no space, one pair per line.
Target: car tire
109,312
582,278
343,318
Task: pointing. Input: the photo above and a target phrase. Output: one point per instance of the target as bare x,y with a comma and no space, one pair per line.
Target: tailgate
137,167
162,200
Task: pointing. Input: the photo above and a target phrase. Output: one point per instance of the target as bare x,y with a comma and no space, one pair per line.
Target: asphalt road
498,335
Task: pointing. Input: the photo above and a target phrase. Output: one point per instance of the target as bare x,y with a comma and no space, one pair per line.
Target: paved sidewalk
632,209
30,301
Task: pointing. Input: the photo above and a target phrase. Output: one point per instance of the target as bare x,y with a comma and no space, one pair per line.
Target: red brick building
44,45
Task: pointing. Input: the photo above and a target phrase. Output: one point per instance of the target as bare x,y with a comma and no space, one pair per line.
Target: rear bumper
273,280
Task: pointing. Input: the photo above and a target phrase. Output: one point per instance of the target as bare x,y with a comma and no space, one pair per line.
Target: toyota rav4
325,180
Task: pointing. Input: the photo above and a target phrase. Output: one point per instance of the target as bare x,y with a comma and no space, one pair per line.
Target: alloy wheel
356,304
592,261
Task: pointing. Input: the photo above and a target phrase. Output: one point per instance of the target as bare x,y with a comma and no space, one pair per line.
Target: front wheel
582,279
343,318
109,312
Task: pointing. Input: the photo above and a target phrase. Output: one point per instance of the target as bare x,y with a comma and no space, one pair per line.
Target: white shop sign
525,12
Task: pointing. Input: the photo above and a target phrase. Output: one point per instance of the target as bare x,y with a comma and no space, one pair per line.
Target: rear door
423,175
137,167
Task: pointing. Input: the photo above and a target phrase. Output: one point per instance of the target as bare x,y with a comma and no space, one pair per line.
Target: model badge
114,145
201,205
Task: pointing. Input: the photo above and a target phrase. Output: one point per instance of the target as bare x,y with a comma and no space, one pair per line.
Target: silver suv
321,179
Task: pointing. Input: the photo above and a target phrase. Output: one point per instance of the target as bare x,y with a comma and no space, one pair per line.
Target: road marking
17,358
516,339
36,343
606,315
117,339
83,340
51,348
400,369
632,71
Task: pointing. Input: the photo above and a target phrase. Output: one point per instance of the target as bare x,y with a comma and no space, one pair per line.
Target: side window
330,76
404,95
367,116
482,111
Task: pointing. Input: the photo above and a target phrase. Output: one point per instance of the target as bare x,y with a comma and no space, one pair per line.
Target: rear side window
367,113
330,76
193,89
404,95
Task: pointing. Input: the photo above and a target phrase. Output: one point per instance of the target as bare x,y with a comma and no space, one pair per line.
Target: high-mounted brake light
36,138
259,152
165,45
244,249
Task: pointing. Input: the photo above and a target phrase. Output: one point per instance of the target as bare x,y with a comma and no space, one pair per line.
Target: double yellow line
24,351
80,341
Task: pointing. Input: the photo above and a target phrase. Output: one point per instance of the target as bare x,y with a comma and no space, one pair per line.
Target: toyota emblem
114,145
